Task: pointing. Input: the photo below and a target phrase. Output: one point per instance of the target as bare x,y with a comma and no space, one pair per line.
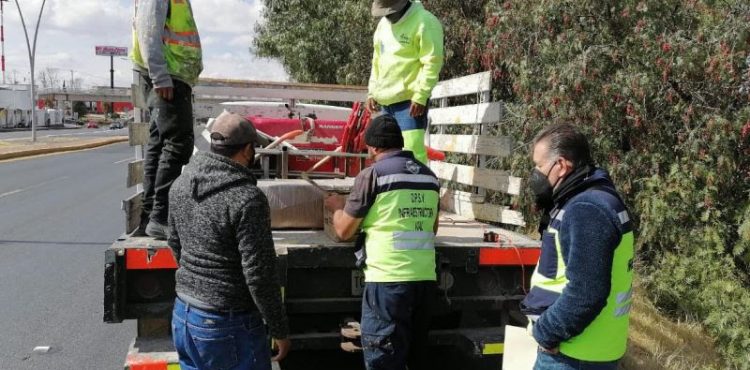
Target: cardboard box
294,204
328,224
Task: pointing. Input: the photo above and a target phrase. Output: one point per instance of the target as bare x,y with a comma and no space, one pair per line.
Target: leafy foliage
662,87
656,84
80,108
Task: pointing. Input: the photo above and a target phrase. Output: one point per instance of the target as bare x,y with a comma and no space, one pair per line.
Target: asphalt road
82,132
57,216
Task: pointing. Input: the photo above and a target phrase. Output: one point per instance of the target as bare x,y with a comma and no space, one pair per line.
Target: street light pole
32,55
2,34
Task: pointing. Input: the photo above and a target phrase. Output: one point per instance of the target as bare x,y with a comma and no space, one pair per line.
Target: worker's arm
431,55
150,19
375,71
345,225
590,235
348,214
259,263
173,240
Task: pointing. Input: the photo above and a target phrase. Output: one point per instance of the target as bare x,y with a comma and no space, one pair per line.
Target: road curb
61,149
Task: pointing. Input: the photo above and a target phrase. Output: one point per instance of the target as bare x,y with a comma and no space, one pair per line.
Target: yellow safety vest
182,46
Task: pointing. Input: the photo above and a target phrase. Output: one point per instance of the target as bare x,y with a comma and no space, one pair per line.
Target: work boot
140,231
157,230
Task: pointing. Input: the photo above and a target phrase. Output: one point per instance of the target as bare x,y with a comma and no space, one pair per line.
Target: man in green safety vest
407,58
395,202
167,54
581,291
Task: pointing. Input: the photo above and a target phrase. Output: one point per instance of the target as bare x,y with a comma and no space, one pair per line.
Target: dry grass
658,343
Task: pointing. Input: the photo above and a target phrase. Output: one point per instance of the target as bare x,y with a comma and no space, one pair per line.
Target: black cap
383,132
381,8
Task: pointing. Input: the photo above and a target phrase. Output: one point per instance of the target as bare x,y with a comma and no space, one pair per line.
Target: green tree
80,108
321,41
657,85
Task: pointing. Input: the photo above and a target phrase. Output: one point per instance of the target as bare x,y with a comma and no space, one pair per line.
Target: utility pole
112,71
32,55
2,35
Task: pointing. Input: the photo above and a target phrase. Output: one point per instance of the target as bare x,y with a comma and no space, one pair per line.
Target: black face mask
251,160
542,190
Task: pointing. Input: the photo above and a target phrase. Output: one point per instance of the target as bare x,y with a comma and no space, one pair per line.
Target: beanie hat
383,132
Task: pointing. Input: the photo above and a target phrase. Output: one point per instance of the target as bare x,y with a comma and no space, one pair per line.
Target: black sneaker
156,230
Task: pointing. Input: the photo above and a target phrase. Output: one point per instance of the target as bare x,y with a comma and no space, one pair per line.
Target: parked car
92,124
115,126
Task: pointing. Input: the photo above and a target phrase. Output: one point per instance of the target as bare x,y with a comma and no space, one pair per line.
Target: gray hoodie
220,233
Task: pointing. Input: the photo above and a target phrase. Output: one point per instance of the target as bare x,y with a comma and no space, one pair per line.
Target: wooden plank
132,207
467,114
223,89
472,176
137,96
499,146
135,173
138,133
471,84
460,203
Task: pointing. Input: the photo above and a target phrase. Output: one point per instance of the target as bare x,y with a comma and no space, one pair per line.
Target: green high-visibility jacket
407,59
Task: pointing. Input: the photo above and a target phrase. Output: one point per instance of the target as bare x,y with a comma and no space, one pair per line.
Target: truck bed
454,231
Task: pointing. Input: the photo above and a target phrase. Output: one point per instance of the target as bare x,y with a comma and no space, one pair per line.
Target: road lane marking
124,160
33,186
82,133
11,193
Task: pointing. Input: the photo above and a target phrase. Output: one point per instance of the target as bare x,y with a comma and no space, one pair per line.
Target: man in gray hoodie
227,281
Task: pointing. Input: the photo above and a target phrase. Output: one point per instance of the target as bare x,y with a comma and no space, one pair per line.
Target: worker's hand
372,105
416,110
283,346
166,93
335,202
552,351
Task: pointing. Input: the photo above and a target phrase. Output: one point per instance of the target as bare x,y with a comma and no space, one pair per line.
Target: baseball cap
232,129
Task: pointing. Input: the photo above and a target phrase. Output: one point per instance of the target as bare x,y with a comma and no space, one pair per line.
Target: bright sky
70,29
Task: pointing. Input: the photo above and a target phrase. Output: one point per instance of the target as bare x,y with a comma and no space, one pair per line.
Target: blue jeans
546,361
212,341
395,324
412,128
400,111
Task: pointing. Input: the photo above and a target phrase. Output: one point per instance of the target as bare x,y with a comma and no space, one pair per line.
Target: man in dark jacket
581,294
220,233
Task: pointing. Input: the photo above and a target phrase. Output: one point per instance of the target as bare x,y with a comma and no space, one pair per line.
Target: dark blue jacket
589,234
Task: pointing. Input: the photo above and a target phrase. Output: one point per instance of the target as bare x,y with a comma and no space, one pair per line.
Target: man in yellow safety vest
581,294
167,54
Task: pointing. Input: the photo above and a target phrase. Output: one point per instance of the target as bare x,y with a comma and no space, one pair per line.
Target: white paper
520,349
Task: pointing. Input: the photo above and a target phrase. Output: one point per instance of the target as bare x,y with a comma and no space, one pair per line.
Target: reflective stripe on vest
182,46
399,227
605,339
